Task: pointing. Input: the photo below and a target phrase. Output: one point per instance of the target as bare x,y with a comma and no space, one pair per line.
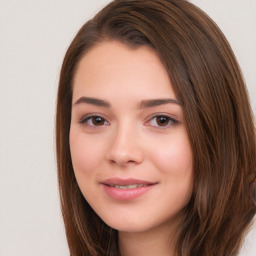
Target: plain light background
34,35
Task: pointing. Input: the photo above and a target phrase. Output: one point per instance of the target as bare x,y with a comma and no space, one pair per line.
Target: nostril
123,152
119,162
131,161
125,159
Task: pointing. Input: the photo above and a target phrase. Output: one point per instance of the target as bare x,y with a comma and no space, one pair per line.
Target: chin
130,225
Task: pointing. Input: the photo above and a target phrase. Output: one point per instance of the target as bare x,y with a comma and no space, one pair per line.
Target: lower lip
126,194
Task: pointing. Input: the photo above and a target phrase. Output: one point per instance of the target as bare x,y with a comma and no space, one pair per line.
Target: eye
94,121
161,121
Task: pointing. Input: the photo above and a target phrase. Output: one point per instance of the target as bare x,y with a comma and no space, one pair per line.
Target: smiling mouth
127,186
129,183
126,189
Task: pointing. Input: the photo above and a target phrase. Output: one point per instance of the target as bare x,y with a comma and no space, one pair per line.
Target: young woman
155,135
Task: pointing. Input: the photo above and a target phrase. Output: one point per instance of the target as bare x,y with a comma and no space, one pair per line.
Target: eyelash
88,121
171,121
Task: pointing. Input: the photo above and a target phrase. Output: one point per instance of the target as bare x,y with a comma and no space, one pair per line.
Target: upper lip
123,182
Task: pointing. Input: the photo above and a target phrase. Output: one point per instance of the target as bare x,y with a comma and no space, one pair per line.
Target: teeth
128,186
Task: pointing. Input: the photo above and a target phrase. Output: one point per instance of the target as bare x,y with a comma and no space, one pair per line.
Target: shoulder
249,245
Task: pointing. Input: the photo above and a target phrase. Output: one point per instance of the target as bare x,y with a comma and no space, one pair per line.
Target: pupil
162,120
98,121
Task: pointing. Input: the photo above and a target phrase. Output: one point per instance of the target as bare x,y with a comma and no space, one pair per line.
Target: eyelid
171,119
86,117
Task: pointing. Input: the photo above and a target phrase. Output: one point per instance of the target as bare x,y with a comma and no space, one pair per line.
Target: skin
129,141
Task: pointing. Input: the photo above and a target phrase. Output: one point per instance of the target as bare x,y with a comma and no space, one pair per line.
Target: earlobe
253,191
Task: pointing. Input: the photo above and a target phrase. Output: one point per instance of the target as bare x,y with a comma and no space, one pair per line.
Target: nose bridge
125,147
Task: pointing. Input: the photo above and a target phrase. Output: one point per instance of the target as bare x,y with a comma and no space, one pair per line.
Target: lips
126,189
128,186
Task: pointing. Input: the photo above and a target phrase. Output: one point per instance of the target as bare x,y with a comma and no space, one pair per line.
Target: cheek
174,152
174,159
85,157
85,154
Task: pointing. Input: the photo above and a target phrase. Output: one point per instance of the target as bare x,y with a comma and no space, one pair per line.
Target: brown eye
94,121
98,121
162,120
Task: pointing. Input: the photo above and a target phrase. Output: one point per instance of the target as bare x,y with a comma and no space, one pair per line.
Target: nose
125,147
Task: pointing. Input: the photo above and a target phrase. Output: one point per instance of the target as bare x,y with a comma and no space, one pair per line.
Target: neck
157,241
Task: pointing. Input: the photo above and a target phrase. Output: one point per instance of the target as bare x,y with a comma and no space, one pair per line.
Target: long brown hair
207,80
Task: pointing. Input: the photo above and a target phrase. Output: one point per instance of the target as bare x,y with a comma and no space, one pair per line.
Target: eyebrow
157,102
93,101
143,104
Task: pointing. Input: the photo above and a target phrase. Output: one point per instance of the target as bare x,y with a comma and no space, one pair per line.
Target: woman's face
129,146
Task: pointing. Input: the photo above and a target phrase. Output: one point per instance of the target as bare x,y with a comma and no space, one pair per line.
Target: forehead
112,67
